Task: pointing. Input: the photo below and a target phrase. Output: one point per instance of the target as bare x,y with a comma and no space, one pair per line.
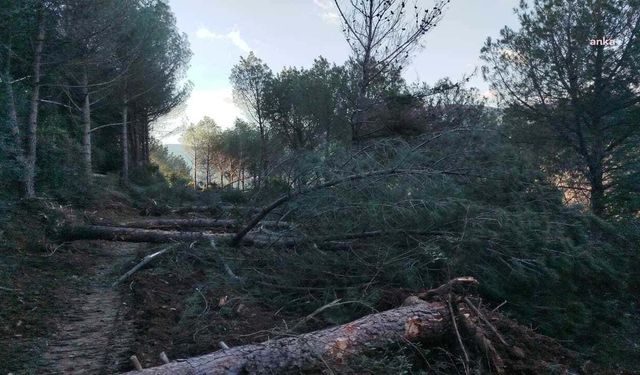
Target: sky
293,32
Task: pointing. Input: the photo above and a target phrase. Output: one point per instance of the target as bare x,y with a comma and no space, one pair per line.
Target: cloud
217,104
331,17
328,14
324,4
237,40
232,36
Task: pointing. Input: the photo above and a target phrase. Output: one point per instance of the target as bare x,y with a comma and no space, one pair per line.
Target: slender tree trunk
243,178
147,130
12,112
208,166
86,128
125,141
32,136
597,189
195,169
263,150
134,144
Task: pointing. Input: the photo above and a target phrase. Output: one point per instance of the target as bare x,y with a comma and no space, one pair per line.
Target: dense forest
350,222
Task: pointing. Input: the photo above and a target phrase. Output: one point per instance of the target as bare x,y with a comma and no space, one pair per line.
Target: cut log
123,234
216,209
422,321
180,223
98,232
197,223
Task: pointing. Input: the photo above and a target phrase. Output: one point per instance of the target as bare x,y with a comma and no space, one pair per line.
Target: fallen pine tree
420,321
261,236
127,234
197,223
447,317
215,209
100,232
179,223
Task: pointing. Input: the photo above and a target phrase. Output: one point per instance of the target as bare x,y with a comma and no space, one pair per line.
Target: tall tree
90,36
555,75
203,140
153,60
32,125
382,35
250,78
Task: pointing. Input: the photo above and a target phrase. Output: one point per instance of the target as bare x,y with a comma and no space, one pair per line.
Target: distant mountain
182,151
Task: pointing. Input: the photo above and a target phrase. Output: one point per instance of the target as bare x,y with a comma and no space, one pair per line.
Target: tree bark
181,223
420,321
97,232
195,169
12,113
217,209
86,129
197,223
124,234
125,141
597,196
32,136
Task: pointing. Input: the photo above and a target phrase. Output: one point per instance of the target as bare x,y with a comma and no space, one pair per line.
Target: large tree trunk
420,321
32,136
86,128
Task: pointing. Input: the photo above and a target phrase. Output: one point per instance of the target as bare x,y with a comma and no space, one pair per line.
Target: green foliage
483,210
573,101
171,166
109,52
150,186
304,106
233,196
59,168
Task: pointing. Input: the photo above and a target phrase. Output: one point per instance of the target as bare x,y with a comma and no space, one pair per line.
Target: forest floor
93,335
64,316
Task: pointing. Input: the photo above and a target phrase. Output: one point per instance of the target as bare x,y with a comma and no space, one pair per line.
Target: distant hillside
182,151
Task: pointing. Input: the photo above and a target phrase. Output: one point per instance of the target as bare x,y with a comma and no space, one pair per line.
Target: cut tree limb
146,260
419,321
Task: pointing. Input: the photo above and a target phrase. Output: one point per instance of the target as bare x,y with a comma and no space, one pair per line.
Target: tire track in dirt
93,335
